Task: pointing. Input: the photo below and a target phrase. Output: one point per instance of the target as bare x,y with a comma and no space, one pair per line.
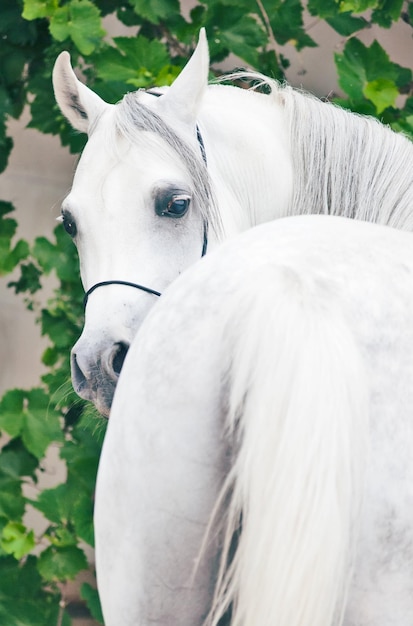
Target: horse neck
251,175
289,153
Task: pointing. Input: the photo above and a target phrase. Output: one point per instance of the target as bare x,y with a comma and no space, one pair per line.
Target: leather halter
126,283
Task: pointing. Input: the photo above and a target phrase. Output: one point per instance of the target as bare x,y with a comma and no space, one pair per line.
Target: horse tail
298,415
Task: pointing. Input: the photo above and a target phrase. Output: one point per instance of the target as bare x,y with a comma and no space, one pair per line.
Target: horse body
257,463
268,392
267,156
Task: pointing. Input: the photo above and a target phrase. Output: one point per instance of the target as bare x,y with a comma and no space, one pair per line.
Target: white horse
258,460
161,177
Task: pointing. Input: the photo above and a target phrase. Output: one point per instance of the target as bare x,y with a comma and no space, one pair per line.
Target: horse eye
69,225
177,206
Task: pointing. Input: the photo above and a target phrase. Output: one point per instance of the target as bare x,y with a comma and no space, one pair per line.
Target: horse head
137,210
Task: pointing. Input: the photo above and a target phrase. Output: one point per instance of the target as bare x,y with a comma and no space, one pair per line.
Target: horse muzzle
95,373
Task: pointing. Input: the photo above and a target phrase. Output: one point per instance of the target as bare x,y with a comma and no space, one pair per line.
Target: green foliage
91,596
135,62
286,19
29,415
10,255
156,11
33,32
373,82
78,20
34,420
16,540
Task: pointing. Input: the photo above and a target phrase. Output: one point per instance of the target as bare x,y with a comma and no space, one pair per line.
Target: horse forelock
138,124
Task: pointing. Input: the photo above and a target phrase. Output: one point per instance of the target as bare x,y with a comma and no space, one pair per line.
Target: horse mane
344,163
132,117
338,150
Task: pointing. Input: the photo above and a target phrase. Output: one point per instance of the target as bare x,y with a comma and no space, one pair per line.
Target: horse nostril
118,357
78,377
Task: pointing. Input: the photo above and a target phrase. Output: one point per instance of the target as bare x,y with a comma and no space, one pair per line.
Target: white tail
298,406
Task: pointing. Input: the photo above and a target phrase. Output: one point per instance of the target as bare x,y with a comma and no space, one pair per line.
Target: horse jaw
80,105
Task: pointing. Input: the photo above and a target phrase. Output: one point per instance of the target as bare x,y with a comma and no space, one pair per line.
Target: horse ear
184,96
79,104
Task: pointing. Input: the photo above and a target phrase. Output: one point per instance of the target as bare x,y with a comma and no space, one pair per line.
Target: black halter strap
126,283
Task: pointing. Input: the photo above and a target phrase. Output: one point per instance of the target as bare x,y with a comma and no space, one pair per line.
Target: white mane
344,163
336,150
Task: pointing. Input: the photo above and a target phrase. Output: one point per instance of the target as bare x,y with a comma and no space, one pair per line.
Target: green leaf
357,6
16,462
55,325
19,32
30,414
234,30
69,504
45,253
143,52
80,20
91,596
41,423
12,503
56,504
387,12
23,601
12,65
50,356
343,22
286,18
167,75
16,540
156,10
360,65
60,564
35,9
60,257
62,537
5,208
135,61
382,92
11,412
82,455
10,256
6,145
83,519
17,254
29,280
410,13
19,581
